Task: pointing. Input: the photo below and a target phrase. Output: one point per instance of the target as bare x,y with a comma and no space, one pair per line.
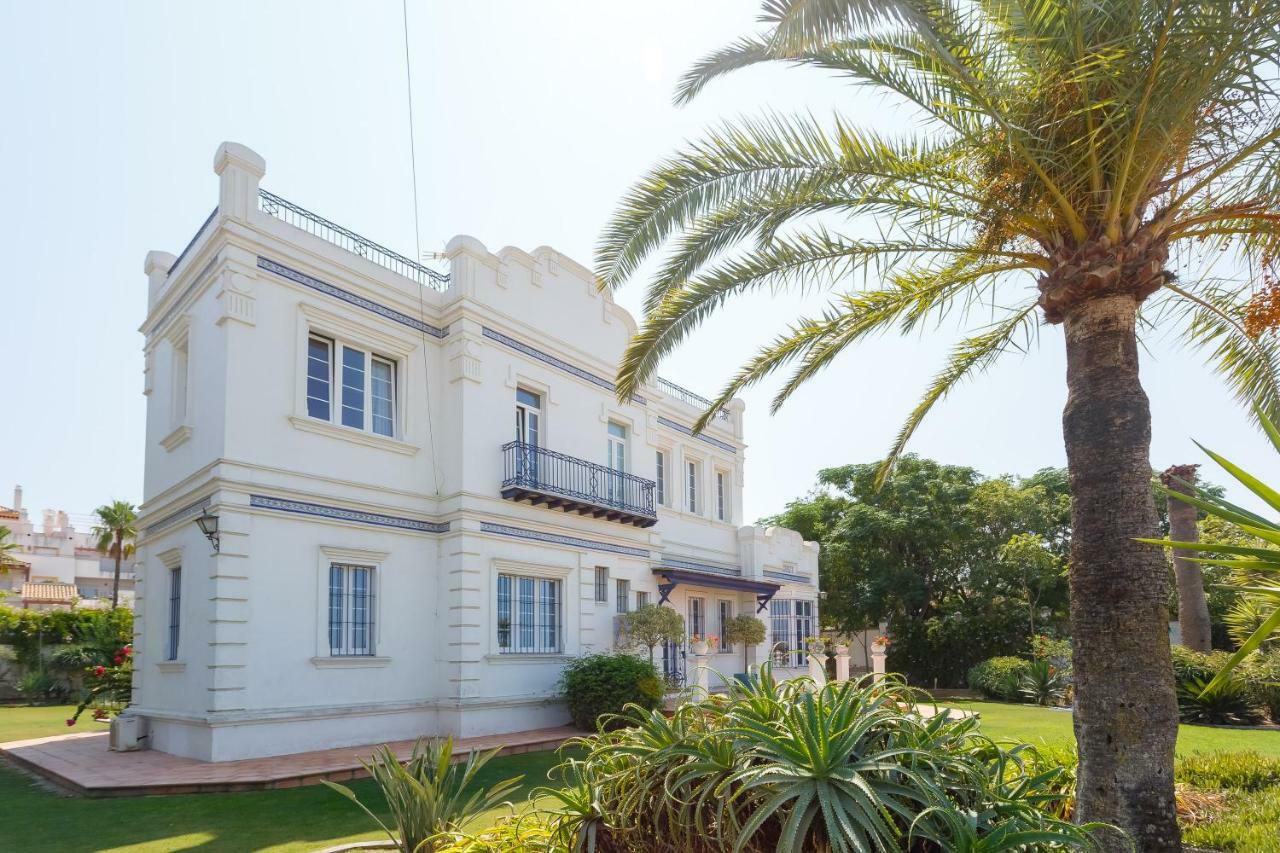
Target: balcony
559,481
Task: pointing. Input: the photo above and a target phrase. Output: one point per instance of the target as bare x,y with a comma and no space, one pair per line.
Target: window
623,594
642,599
528,417
660,472
180,373
697,617
724,612
175,611
792,624
602,585
366,393
528,615
616,460
720,504
351,610
693,486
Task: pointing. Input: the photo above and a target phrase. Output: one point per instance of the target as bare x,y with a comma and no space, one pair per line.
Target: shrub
1044,684
429,795
1231,702
1237,771
1262,672
651,626
603,685
1044,647
792,767
999,677
43,688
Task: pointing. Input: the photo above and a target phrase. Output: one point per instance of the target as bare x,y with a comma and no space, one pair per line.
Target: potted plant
747,631
817,647
880,645
698,644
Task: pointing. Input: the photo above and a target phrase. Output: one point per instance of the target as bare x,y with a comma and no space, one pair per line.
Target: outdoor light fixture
208,524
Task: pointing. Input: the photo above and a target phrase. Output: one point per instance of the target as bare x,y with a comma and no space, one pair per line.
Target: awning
674,577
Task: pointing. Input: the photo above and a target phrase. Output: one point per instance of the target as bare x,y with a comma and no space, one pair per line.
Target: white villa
426,492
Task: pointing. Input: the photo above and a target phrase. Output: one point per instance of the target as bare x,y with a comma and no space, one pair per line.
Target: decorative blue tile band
667,422
340,514
559,363
557,539
787,576
677,563
189,511
351,298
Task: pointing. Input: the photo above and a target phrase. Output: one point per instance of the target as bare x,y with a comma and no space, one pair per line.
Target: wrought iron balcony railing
570,484
312,223
687,397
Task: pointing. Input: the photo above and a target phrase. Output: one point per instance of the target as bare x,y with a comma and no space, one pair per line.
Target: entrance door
528,433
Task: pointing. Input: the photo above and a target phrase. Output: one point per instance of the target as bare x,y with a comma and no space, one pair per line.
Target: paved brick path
83,764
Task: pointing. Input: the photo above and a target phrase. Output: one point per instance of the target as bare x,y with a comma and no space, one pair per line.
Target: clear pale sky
532,119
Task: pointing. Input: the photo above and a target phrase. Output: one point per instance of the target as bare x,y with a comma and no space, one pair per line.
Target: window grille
623,594
528,615
351,610
602,585
175,611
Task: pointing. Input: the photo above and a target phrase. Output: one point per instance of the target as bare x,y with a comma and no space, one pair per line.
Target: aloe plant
1256,570
429,795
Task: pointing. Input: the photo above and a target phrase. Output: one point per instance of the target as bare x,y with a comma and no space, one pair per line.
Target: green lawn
22,722
1033,724
296,819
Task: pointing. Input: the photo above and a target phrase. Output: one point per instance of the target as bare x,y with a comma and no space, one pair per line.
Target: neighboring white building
428,495
57,564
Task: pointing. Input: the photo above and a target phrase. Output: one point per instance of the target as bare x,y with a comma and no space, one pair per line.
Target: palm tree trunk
1126,714
115,583
1193,605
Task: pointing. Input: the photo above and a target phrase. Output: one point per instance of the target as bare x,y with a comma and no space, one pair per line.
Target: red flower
71,721
128,650
99,670
117,660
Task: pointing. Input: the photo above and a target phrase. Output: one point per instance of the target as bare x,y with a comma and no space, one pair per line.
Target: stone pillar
842,663
878,655
156,267
239,169
701,683
818,668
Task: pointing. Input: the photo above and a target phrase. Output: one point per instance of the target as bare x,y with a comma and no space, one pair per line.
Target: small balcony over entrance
559,481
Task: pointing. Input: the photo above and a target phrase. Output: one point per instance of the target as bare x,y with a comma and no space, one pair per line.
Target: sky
532,119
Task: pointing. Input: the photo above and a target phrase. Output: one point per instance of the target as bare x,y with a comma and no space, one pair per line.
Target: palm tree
1193,604
115,533
7,550
1066,150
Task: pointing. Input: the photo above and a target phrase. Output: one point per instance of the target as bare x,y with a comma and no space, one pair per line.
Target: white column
239,169
818,668
842,663
878,654
701,677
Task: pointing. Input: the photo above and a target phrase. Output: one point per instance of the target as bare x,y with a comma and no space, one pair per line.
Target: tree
651,625
746,630
115,532
1193,605
959,565
1063,150
7,550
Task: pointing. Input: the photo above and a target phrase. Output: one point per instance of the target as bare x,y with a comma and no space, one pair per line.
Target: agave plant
1044,683
1257,569
1224,701
429,795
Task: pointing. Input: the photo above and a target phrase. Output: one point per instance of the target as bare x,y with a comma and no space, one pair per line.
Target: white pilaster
240,170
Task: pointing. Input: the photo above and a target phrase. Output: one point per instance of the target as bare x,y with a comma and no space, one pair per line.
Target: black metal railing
534,468
687,397
300,217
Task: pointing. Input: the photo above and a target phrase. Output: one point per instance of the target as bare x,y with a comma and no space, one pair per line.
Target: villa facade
428,496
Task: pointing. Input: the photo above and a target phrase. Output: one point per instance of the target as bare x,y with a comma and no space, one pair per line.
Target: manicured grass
20,722
1251,824
1034,724
293,820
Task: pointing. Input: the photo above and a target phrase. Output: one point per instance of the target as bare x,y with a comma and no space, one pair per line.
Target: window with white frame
181,371
724,612
602,585
623,594
660,473
529,618
351,610
697,617
351,386
722,511
175,612
642,599
792,623
693,470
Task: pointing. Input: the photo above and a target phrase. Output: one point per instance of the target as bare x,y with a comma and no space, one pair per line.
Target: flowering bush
109,687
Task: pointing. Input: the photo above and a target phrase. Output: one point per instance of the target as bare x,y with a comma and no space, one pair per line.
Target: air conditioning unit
128,733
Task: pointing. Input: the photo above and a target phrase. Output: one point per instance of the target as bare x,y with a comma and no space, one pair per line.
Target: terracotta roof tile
49,593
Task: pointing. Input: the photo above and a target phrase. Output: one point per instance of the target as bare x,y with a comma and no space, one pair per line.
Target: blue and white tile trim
189,511
559,363
667,422
340,514
788,577
557,539
677,563
350,298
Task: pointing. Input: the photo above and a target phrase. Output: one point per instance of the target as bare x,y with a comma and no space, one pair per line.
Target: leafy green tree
1063,151
650,626
744,630
7,549
958,565
115,531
